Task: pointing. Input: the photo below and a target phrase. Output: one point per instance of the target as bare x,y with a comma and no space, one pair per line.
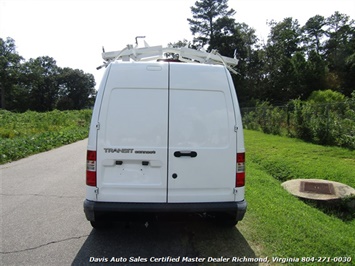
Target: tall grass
326,124
23,134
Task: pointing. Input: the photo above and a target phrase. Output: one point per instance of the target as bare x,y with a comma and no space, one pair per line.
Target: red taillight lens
240,175
91,168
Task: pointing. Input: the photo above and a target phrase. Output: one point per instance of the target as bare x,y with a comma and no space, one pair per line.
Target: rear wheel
100,225
227,219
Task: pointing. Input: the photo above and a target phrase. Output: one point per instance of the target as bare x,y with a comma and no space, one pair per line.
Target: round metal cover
318,189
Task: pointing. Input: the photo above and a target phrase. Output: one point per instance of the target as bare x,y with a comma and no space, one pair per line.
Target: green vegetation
319,120
280,224
39,84
32,132
287,158
327,96
290,64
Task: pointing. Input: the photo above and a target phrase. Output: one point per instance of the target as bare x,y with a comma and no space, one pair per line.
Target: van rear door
132,136
202,141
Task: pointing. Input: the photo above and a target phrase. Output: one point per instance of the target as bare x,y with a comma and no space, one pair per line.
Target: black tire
100,225
227,219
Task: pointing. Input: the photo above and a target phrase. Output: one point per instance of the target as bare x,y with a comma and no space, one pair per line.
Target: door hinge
98,126
96,191
235,190
235,128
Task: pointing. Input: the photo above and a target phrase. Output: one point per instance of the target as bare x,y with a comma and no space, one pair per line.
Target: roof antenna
141,37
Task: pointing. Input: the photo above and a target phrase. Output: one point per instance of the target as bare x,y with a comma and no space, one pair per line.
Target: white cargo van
165,137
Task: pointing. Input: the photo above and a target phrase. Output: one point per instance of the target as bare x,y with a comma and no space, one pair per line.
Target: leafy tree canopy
211,18
39,84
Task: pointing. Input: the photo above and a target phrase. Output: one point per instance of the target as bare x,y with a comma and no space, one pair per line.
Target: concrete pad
318,189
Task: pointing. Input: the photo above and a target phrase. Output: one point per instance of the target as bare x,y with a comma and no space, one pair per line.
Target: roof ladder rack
158,52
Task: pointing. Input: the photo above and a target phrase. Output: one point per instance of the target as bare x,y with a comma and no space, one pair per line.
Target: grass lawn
279,224
286,158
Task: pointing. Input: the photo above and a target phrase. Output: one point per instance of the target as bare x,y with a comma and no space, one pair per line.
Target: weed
28,133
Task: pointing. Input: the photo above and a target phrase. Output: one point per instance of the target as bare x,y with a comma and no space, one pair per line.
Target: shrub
32,132
321,123
327,96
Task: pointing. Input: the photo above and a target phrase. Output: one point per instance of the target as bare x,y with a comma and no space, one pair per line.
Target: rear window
137,117
199,118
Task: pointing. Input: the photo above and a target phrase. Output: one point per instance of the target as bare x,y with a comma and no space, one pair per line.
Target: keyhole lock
174,176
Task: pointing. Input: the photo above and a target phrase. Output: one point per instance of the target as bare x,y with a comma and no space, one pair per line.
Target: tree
285,37
76,89
40,79
339,48
211,19
9,63
349,77
283,61
294,62
240,44
315,72
313,33
39,84
213,26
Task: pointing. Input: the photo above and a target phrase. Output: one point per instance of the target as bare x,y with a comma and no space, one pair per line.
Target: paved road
42,220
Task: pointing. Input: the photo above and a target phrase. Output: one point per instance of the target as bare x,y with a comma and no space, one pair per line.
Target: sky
73,32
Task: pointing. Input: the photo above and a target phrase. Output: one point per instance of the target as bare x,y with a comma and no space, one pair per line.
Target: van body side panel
201,120
92,139
132,139
238,117
240,192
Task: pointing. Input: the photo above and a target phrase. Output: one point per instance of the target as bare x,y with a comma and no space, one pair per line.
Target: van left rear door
132,135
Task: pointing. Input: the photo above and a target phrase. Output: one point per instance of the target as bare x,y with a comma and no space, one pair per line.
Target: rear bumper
92,208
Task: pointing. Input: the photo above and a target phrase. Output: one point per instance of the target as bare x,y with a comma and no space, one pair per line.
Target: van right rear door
202,140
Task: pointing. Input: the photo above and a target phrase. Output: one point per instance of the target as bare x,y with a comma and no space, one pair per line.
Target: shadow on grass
343,209
163,240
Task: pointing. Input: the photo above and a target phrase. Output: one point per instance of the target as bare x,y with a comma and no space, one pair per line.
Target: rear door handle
185,153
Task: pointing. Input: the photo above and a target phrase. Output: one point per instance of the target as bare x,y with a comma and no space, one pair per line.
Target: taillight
240,175
91,168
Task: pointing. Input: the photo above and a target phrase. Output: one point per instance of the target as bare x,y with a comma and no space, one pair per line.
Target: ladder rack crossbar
156,52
